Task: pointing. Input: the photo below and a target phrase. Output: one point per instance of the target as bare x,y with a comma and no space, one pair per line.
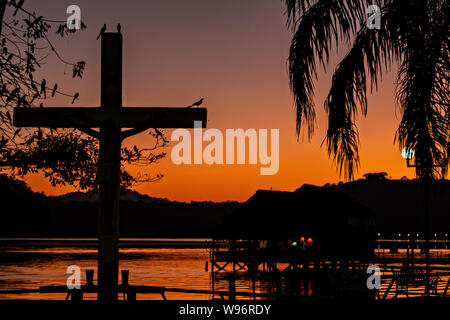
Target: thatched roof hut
326,214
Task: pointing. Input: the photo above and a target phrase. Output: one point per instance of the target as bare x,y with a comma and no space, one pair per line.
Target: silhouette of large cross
110,118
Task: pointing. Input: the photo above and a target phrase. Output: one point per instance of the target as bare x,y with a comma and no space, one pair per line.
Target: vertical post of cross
109,169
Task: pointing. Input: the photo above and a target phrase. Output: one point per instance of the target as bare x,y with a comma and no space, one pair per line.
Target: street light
407,154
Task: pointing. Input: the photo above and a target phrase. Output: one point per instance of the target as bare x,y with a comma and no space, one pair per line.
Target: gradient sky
234,54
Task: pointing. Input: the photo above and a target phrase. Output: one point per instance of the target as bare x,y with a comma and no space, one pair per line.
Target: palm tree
413,35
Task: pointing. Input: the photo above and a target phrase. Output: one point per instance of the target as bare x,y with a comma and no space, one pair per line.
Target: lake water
29,267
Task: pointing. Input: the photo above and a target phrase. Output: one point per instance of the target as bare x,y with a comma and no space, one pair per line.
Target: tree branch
131,132
89,132
3,4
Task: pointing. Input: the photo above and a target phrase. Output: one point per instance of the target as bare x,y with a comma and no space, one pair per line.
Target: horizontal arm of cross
85,118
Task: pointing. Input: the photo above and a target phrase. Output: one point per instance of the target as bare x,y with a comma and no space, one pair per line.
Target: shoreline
186,243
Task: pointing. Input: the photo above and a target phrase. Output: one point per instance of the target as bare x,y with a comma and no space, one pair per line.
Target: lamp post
408,154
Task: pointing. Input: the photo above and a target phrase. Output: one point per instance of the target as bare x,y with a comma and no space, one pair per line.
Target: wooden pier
247,257
402,272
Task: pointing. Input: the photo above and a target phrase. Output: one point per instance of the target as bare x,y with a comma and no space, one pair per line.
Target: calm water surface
34,267
31,267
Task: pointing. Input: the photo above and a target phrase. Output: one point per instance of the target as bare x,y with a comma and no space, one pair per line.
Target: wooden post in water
89,278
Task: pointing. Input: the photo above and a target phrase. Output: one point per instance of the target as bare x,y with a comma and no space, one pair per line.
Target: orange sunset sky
234,54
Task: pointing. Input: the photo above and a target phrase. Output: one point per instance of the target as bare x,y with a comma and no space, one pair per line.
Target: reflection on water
34,267
30,268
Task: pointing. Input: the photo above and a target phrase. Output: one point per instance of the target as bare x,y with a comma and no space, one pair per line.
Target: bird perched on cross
197,103
102,31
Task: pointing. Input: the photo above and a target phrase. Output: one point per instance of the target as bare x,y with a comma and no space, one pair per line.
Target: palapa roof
310,210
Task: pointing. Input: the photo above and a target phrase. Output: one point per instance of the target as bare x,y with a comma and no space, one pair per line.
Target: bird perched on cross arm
102,31
197,104
75,97
119,28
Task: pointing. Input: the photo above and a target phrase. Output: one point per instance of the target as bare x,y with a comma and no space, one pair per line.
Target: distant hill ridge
17,187
126,195
25,213
398,204
92,196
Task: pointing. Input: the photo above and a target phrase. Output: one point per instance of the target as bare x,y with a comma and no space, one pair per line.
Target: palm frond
415,34
321,24
423,88
373,50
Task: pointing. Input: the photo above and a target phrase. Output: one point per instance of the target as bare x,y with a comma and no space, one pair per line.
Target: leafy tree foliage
63,156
